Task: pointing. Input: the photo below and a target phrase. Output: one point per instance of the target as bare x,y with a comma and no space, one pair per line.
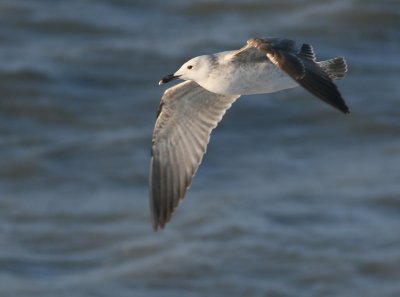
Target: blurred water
292,199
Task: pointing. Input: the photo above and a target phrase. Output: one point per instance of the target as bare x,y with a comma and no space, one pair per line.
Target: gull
190,110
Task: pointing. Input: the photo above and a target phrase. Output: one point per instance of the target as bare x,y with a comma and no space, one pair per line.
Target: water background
292,199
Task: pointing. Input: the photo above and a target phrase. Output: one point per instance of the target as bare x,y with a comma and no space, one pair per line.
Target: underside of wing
187,115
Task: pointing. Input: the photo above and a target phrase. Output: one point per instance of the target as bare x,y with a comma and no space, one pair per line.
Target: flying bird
190,110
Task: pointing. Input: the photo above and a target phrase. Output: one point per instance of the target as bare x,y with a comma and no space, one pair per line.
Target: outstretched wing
302,67
187,115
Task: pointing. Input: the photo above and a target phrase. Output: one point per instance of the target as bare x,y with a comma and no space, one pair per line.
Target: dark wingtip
345,111
157,224
343,108
155,227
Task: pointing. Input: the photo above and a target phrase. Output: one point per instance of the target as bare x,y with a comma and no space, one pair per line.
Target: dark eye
190,67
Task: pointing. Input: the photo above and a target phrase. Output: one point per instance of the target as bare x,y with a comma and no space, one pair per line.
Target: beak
168,78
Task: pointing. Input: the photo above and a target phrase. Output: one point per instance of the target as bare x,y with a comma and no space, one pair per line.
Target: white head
195,69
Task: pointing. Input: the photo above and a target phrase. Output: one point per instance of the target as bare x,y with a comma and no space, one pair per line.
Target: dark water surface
292,199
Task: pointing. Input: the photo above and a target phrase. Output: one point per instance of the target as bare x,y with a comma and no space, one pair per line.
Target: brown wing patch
302,67
280,53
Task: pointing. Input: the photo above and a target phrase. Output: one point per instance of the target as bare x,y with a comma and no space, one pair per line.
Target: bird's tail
336,68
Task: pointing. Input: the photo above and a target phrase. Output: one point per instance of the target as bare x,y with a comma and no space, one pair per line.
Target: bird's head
194,69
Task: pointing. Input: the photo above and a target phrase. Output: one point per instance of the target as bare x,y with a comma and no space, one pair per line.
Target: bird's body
232,77
190,110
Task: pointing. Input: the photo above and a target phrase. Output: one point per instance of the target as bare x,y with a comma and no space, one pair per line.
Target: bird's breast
249,78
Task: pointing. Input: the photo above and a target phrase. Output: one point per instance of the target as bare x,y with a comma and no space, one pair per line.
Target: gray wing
187,115
316,77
